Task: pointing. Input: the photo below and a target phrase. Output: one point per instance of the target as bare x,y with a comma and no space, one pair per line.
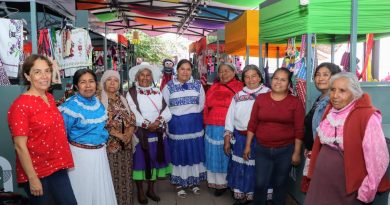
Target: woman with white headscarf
120,125
151,157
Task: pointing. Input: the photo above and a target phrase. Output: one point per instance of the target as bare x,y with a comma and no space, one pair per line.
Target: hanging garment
55,76
3,77
82,55
67,44
11,44
44,47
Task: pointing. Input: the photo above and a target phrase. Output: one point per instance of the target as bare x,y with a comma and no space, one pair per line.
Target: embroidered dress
81,51
241,173
185,131
11,44
85,120
3,77
218,99
150,105
121,162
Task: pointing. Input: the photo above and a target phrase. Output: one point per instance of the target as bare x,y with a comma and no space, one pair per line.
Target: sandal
196,190
181,192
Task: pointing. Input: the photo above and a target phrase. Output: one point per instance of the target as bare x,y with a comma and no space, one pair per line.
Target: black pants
57,185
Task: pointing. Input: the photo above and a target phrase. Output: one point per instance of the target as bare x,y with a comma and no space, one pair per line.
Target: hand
36,187
305,152
127,136
116,134
295,159
247,153
226,146
153,127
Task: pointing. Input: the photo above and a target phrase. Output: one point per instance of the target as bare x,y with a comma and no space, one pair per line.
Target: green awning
328,19
106,17
243,3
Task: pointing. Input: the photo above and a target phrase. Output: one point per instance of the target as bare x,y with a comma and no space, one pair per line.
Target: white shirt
149,105
241,107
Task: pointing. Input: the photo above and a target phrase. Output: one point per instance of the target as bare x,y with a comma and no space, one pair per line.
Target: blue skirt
241,173
186,144
216,160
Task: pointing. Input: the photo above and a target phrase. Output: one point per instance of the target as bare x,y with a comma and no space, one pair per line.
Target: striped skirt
241,173
186,144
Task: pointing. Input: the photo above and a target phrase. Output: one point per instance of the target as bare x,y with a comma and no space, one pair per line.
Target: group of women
239,135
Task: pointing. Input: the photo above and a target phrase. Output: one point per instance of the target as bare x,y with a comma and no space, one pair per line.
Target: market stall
241,37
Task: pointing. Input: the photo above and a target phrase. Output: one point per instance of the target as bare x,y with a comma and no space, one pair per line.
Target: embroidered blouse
150,104
85,120
376,154
240,108
184,98
46,138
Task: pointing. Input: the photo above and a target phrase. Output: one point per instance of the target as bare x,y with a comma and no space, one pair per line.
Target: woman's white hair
353,83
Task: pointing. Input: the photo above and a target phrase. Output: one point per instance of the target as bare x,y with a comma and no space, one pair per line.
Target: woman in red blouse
218,99
277,122
42,151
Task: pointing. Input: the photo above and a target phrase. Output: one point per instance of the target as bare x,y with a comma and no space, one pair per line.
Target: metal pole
261,65
309,83
277,57
34,30
217,47
375,59
332,45
105,47
332,52
247,55
353,35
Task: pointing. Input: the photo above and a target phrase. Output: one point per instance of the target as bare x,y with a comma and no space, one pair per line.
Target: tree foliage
151,49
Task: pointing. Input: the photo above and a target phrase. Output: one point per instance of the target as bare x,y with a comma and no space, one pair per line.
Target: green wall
7,95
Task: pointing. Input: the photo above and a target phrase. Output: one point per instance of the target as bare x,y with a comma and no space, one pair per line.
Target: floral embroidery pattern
148,92
15,31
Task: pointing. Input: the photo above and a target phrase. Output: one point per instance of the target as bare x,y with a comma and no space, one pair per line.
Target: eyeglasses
40,73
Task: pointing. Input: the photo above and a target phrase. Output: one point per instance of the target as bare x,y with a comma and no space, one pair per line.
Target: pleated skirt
241,173
91,177
186,143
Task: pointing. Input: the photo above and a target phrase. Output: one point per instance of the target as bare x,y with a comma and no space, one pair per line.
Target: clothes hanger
8,11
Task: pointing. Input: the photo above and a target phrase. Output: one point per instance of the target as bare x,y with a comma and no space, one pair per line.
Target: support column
261,65
375,60
309,82
34,30
277,56
354,12
247,55
105,47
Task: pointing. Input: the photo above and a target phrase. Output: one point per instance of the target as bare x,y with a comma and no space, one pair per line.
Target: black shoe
153,197
242,202
219,192
142,201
